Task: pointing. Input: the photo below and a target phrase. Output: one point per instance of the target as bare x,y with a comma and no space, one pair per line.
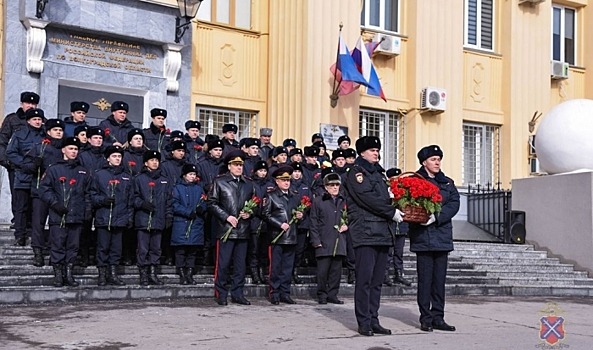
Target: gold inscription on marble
105,53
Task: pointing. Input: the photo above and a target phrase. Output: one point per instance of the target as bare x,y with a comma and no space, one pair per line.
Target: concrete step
528,268
510,261
501,254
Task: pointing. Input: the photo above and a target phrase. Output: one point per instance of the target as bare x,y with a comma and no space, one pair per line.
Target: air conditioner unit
534,167
389,45
532,145
435,99
559,70
533,2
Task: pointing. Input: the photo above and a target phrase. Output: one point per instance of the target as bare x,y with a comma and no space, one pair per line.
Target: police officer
117,125
266,147
113,200
78,111
371,223
194,143
66,190
229,134
432,241
156,135
226,200
344,142
251,149
289,144
21,143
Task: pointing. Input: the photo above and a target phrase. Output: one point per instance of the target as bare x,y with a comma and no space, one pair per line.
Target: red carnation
151,184
198,147
72,182
62,179
132,163
46,141
107,132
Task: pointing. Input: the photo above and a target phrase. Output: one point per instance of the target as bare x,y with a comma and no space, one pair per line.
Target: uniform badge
359,178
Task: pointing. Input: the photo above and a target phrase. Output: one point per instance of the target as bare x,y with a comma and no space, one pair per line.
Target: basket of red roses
416,197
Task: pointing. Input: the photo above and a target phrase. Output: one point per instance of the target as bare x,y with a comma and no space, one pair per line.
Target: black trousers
281,264
149,247
21,199
167,251
302,239
64,242
39,235
109,245
396,254
370,269
350,257
329,272
88,239
232,251
130,244
257,251
432,273
11,185
185,255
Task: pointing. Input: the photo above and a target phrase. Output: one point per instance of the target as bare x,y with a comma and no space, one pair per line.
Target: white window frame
246,121
478,44
208,9
381,27
482,153
563,9
390,132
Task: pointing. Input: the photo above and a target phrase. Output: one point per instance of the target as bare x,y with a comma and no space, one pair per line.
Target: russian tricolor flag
346,65
362,59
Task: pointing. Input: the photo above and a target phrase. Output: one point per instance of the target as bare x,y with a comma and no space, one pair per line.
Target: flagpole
334,96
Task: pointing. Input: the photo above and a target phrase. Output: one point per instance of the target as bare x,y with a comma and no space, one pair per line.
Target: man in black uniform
156,135
371,221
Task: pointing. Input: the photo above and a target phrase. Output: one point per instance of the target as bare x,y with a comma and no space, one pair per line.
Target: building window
380,14
563,34
234,13
481,157
388,127
212,120
479,21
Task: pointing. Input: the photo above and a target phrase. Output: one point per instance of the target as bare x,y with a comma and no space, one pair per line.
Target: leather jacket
226,198
277,209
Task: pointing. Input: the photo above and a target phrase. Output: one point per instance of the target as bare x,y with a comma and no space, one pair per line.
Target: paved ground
482,323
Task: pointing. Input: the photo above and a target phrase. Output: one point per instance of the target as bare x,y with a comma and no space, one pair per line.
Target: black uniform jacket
277,209
370,212
226,198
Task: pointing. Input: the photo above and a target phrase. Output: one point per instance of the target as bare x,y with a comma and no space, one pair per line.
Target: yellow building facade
267,63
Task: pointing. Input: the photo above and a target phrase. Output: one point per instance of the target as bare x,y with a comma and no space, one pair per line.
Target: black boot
102,281
83,258
295,277
58,278
69,278
182,276
398,278
351,277
386,280
38,258
189,276
153,278
263,274
255,277
113,276
143,275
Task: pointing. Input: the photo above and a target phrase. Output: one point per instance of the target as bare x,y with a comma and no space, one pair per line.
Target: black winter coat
193,152
229,146
68,183
104,186
325,215
50,153
262,186
10,125
370,212
20,145
277,209
309,173
172,168
209,169
300,188
93,158
118,132
249,165
153,187
70,125
437,236
226,198
132,160
155,139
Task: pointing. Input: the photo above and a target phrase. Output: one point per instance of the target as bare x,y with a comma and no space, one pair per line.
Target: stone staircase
474,269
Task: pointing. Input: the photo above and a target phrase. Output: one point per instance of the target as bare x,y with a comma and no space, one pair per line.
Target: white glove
398,216
431,219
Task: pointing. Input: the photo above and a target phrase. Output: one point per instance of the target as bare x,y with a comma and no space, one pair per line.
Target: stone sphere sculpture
564,141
